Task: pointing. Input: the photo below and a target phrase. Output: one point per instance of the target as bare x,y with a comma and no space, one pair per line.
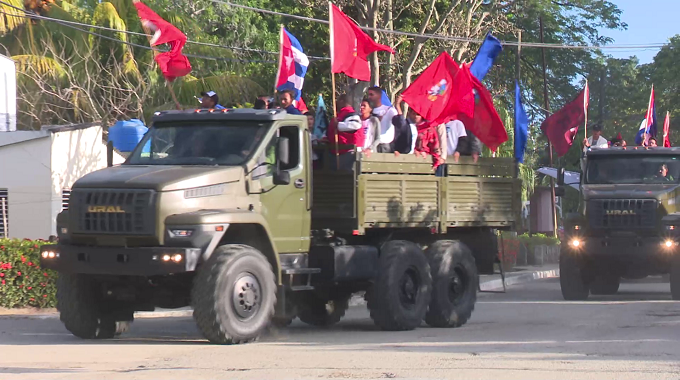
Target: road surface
528,333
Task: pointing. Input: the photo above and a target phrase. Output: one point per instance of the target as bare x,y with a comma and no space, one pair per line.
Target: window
65,196
4,213
199,143
269,154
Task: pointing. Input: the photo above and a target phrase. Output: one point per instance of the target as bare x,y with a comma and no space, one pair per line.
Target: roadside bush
22,282
537,239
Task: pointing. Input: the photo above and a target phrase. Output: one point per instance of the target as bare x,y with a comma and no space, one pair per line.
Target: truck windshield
635,169
205,143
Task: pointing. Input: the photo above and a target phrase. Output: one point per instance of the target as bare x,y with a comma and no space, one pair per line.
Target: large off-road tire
675,278
454,284
234,295
80,308
573,282
401,292
316,311
605,285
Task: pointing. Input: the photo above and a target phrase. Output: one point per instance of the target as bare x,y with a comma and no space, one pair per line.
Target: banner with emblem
440,92
561,127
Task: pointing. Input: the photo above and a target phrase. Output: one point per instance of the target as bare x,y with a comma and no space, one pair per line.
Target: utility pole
546,105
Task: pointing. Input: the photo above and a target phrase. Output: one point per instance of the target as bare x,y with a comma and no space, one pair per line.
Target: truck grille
622,213
129,212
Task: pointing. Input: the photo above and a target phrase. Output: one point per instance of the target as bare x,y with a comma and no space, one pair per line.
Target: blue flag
521,125
486,56
320,119
385,99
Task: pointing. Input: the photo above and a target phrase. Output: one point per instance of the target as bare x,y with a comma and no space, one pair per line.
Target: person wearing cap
596,140
209,99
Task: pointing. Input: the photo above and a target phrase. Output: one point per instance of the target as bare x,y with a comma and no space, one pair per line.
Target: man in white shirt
596,140
385,114
455,129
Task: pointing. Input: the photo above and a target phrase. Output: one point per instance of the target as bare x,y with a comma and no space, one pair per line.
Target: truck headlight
576,243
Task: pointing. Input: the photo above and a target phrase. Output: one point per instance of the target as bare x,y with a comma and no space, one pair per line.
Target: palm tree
70,74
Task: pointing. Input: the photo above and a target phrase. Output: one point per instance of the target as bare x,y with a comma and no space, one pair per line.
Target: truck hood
159,178
639,191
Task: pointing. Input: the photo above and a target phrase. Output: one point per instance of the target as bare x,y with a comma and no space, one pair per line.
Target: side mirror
109,154
560,191
560,177
281,177
282,151
282,158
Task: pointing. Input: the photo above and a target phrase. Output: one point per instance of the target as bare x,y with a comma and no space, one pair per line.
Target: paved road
529,333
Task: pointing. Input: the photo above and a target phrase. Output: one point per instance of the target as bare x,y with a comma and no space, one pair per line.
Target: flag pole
550,147
155,53
586,101
335,110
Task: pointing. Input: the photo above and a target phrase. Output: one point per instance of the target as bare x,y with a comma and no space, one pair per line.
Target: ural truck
628,224
222,211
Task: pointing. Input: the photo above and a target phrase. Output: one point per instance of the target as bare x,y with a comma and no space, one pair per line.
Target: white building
37,170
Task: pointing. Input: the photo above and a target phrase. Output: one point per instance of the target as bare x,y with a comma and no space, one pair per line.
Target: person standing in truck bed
348,128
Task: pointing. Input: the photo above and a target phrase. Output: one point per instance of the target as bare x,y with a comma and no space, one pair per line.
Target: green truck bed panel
384,191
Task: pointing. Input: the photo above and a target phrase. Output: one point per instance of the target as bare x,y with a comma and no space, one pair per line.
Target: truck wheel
317,311
80,308
234,294
675,278
401,292
454,284
605,285
572,280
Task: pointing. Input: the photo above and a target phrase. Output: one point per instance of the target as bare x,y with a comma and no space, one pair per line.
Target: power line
74,23
440,37
28,15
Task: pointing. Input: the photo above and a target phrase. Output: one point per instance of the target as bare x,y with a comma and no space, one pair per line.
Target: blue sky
649,21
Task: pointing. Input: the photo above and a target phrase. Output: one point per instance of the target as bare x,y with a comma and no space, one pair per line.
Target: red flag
486,124
301,106
173,63
350,46
441,91
562,126
667,131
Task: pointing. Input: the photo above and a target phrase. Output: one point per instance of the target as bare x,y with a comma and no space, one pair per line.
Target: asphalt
529,332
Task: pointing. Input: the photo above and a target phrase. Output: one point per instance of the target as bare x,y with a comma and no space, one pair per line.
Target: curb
518,279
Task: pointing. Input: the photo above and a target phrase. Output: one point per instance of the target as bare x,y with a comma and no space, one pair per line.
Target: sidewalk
520,275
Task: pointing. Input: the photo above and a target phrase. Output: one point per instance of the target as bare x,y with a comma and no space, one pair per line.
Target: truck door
285,207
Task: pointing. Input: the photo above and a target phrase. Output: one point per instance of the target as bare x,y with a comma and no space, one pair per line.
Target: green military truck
221,210
628,222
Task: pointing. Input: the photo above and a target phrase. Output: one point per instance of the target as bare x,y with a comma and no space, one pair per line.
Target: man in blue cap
209,99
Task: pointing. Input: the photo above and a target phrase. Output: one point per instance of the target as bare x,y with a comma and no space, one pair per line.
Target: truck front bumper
625,246
147,261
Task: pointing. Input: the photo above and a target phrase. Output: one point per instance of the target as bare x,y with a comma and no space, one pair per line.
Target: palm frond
105,14
41,65
231,89
8,15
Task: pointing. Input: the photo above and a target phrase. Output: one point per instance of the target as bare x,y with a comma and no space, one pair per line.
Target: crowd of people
376,127
383,128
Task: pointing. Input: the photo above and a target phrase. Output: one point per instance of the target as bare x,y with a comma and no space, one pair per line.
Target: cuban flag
648,128
293,64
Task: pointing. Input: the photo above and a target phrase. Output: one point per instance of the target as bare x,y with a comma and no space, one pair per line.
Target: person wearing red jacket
348,127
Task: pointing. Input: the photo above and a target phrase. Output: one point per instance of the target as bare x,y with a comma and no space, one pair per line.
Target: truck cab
626,224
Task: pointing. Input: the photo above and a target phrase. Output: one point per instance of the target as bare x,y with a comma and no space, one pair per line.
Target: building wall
25,172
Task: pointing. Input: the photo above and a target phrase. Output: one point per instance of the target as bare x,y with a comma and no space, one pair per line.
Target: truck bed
384,191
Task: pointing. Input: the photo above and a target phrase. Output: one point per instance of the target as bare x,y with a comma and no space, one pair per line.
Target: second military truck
222,211
628,224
